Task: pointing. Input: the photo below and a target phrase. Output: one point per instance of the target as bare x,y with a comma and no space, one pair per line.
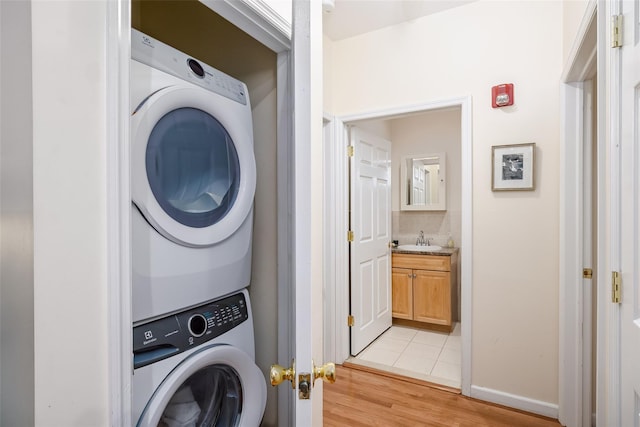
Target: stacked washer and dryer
193,177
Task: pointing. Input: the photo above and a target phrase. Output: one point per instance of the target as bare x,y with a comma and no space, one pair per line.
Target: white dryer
196,368
193,177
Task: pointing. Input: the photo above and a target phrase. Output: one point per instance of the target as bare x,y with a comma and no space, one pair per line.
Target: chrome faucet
420,241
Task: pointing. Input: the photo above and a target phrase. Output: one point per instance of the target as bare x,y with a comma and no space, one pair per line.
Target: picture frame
513,167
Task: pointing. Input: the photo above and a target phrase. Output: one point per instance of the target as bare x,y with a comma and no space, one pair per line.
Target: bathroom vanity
425,287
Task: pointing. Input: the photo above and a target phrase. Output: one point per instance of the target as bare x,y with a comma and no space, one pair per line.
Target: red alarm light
502,95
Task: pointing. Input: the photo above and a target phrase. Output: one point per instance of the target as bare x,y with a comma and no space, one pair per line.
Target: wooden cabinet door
402,293
432,297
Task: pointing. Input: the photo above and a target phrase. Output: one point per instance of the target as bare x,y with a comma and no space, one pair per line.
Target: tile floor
426,355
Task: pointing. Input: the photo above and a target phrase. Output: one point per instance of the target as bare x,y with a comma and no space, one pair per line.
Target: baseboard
514,401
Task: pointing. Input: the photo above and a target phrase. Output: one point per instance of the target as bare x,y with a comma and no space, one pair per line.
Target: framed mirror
423,183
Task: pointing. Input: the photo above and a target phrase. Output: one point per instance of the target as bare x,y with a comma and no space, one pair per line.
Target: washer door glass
210,397
192,167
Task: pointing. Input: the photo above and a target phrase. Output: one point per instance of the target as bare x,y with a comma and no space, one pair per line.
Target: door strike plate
304,386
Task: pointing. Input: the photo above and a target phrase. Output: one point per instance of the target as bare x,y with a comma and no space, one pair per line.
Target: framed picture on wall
513,167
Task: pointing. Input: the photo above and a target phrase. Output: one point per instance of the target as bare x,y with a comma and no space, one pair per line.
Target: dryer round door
193,169
217,386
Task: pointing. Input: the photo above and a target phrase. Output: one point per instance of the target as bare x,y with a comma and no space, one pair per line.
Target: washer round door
192,164
218,385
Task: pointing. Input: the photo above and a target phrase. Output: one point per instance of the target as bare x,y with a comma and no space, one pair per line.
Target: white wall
432,132
327,82
572,13
16,216
381,128
69,204
463,52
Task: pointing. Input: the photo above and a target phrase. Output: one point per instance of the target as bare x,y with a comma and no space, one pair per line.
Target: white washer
193,177
197,368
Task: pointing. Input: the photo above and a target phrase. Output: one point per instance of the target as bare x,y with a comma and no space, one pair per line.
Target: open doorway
422,337
438,127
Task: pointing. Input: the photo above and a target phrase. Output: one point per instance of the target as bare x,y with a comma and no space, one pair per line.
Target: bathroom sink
421,248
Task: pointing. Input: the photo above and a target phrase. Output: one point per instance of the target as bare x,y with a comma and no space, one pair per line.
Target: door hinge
587,273
616,31
615,287
350,151
351,321
350,236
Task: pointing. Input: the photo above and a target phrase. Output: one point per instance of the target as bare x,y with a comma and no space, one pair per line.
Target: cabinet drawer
421,262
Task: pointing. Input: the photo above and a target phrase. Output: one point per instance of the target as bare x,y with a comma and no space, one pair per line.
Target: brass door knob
327,372
278,374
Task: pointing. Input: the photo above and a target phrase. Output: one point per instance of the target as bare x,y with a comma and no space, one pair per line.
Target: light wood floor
360,398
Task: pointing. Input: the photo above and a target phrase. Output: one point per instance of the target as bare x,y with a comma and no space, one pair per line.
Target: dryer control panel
165,58
171,335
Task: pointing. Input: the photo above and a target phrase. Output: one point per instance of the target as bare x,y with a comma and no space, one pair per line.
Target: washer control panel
171,335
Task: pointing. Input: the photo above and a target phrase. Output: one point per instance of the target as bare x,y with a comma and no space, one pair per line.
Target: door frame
120,332
587,53
337,268
336,224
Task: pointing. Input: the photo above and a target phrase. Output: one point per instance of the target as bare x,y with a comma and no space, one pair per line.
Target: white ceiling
353,17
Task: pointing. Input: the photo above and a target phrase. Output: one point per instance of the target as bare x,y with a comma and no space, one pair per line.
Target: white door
629,237
371,226
307,207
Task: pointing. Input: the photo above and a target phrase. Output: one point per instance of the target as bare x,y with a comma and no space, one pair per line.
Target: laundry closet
193,28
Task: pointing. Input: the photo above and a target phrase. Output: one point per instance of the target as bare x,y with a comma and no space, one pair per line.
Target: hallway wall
572,14
463,52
